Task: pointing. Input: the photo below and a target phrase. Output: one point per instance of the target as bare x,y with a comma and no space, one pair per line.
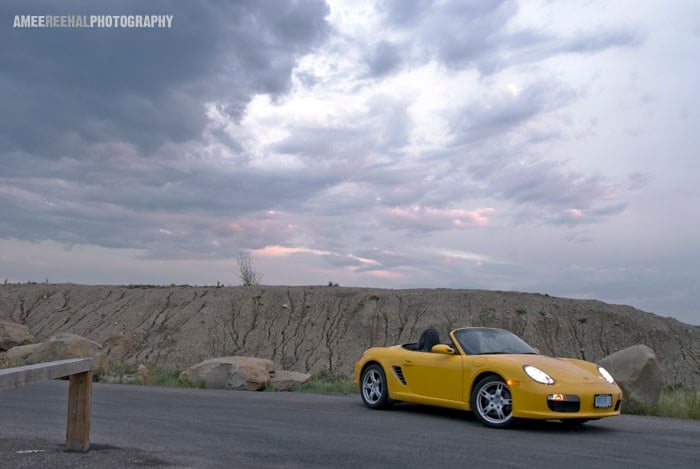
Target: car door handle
408,363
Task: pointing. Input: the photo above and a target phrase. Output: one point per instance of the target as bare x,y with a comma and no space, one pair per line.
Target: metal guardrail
79,371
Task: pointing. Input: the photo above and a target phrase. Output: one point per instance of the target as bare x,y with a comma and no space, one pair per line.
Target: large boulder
59,347
636,369
18,356
283,380
13,335
238,373
62,346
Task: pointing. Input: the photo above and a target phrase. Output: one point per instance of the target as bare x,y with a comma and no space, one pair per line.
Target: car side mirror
443,348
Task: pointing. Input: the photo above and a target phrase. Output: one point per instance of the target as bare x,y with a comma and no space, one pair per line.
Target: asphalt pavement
136,426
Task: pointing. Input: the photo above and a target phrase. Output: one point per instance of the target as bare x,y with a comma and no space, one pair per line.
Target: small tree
247,273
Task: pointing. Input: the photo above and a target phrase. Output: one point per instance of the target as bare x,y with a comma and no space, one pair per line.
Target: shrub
679,403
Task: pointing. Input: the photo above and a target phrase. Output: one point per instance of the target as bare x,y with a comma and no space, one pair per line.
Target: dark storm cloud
102,130
127,207
145,86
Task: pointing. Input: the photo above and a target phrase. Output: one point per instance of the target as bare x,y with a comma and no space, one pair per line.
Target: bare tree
249,276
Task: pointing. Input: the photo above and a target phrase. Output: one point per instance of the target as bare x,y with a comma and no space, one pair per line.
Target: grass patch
679,403
118,373
327,383
168,378
121,373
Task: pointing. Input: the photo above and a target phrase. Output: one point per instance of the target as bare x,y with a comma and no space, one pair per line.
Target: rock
17,356
637,371
285,380
238,373
59,347
62,346
13,334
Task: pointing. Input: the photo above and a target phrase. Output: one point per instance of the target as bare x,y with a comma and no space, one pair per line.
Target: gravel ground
18,453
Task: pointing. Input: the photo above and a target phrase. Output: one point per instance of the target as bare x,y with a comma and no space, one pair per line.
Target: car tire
492,402
373,388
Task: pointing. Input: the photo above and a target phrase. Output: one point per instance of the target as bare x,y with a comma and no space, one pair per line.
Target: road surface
137,426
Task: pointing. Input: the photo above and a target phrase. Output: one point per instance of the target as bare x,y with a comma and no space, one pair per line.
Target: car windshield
478,341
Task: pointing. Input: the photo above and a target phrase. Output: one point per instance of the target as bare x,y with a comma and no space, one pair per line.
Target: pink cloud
385,275
283,251
434,219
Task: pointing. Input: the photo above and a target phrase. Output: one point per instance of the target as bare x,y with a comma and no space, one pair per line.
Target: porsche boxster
491,372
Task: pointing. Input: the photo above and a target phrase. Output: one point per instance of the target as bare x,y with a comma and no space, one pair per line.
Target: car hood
561,369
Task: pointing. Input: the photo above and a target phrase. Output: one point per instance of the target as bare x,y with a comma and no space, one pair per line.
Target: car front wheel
373,388
492,402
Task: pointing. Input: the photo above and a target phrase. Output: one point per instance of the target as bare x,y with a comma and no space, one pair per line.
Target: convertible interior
428,338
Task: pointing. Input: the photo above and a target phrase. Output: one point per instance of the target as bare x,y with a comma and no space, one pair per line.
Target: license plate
603,400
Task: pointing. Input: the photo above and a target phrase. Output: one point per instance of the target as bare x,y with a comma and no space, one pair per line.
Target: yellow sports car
491,372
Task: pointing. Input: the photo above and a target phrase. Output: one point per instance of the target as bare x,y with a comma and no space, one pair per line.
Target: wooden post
78,425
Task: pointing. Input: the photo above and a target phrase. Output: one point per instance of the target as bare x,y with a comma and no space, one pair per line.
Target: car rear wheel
492,402
373,388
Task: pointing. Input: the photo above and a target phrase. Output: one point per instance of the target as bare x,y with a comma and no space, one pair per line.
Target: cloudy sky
535,146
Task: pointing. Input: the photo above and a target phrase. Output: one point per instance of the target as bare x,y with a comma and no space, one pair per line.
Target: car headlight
538,375
606,375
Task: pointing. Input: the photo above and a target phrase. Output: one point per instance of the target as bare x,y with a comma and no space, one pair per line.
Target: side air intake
399,374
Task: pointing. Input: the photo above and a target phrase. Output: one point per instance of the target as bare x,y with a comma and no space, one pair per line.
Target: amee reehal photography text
92,21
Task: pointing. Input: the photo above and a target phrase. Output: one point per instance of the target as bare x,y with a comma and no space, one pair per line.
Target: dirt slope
326,328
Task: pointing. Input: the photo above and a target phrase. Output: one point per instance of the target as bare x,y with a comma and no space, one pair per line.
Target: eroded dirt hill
311,329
